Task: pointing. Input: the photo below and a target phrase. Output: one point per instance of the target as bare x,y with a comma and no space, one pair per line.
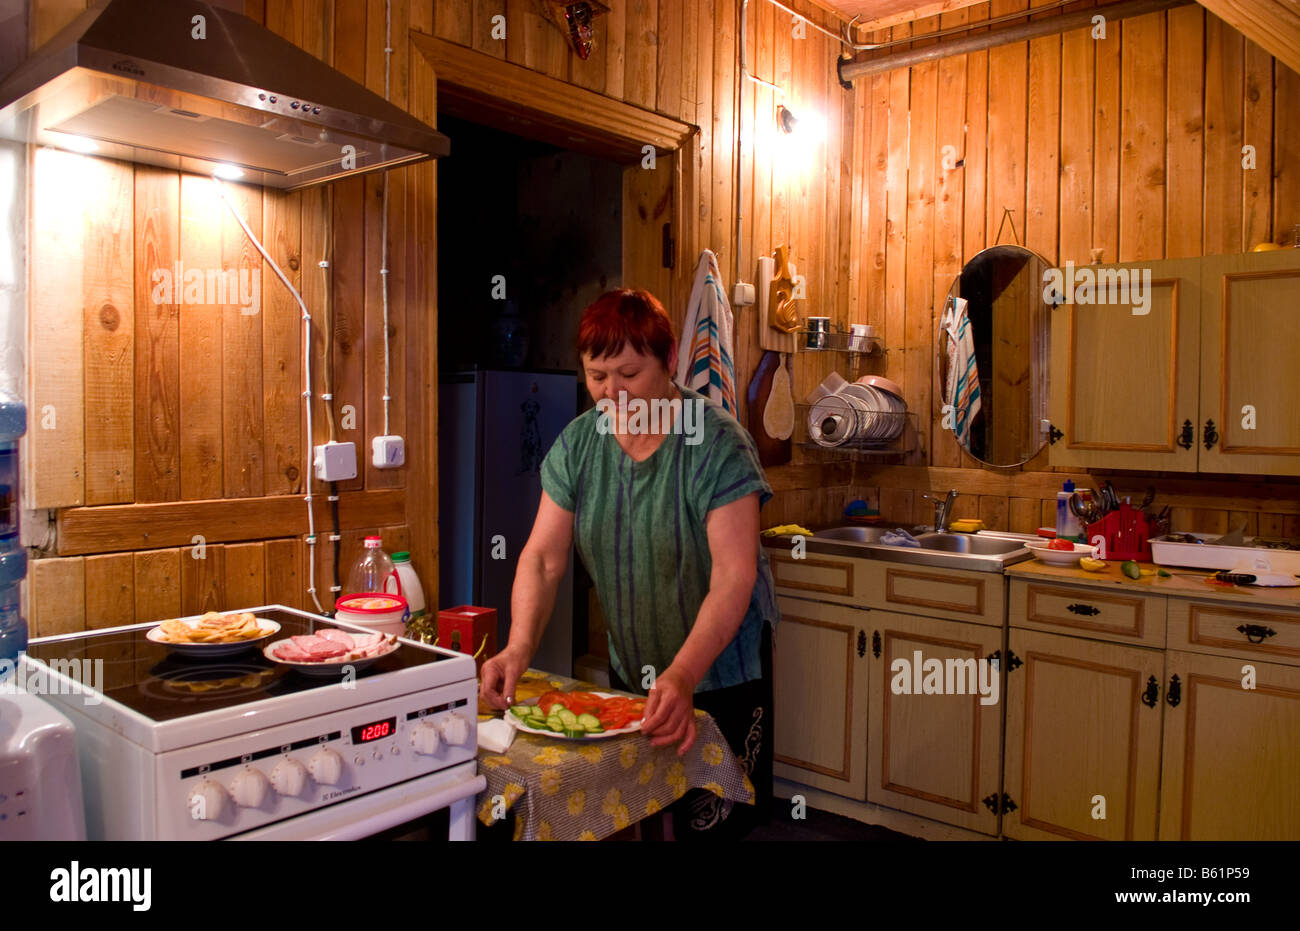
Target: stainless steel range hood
128,80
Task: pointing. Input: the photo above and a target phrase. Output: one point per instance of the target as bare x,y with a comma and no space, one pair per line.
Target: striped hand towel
704,361
963,386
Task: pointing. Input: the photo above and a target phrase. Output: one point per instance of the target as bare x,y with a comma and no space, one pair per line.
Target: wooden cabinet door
1250,363
1231,753
936,755
819,668
1078,728
1123,384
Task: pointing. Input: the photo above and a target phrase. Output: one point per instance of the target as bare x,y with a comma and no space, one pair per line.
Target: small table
587,790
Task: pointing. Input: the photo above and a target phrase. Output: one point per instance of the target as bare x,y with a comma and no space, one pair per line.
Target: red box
469,629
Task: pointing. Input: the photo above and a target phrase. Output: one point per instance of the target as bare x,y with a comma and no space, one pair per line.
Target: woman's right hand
499,676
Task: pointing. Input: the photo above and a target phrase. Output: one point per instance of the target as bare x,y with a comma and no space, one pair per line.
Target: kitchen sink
853,534
987,551
978,544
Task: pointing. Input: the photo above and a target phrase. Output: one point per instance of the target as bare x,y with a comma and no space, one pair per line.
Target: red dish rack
1126,532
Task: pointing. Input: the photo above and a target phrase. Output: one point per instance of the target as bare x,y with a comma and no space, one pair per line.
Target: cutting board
771,451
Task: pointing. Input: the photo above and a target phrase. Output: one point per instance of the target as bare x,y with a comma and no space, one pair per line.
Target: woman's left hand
670,712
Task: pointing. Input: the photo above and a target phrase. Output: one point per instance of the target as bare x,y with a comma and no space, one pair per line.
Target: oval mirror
993,352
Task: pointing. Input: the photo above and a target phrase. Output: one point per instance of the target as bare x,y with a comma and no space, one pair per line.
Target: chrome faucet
942,510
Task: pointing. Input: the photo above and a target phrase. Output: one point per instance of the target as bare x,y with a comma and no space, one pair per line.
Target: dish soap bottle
1067,525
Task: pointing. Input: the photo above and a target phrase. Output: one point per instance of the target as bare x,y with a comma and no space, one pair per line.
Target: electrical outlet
335,462
388,452
742,294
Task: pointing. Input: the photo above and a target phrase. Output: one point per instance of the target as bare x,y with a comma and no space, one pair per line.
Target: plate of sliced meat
330,651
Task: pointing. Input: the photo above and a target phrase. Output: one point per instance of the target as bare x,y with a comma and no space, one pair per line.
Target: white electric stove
173,748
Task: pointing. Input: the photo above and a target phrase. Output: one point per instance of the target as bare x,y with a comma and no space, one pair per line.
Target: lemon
1092,565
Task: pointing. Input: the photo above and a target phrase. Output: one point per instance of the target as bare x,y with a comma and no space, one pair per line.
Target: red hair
626,316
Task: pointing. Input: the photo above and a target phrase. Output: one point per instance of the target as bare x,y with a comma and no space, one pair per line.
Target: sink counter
1189,585
988,551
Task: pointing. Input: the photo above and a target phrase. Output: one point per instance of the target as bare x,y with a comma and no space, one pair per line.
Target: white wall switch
388,452
742,294
335,462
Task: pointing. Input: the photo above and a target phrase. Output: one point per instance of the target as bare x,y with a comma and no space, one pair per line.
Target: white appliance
40,784
176,748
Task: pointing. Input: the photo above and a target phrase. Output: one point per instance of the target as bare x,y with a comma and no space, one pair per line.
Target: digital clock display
365,733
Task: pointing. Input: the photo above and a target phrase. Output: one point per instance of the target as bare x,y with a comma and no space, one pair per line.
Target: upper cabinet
1250,364
1178,365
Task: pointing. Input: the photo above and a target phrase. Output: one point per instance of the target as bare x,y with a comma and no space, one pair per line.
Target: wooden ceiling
1274,25
887,12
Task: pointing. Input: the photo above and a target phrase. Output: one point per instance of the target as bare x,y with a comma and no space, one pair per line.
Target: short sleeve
733,470
557,478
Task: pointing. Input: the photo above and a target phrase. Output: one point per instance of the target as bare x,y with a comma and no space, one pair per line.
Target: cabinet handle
875,644
1152,694
1256,633
1083,609
1175,693
862,644
1187,437
1211,435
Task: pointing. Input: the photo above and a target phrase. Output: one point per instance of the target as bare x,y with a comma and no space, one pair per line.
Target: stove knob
424,737
454,730
326,767
249,788
208,801
289,778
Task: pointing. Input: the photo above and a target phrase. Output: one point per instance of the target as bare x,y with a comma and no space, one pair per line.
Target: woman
665,518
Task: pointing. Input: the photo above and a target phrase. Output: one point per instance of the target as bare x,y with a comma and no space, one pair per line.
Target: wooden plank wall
1130,144
1093,144
678,57
188,405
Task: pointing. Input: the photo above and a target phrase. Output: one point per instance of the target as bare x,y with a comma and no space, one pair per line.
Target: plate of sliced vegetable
579,715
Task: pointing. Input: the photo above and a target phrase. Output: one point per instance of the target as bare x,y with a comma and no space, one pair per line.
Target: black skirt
744,715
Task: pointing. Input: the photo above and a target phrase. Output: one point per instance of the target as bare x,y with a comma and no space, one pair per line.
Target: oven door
454,788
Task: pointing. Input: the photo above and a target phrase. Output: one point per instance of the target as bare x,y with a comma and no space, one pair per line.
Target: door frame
510,97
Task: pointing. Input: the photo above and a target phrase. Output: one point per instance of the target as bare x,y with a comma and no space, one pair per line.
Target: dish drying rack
897,435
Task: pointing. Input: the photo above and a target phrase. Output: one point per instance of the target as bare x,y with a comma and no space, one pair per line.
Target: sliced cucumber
523,712
590,722
568,717
536,723
575,732
555,709
555,724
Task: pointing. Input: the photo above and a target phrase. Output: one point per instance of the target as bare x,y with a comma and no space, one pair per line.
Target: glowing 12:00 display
364,733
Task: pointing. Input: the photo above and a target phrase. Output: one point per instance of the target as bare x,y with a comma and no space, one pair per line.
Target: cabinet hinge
1000,804
1175,694
1013,661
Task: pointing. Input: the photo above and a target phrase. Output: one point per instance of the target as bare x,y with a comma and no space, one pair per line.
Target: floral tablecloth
586,790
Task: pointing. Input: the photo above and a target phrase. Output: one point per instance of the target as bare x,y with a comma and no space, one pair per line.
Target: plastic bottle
1067,525
407,584
13,558
373,571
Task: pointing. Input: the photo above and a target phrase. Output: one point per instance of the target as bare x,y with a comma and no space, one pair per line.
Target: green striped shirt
640,530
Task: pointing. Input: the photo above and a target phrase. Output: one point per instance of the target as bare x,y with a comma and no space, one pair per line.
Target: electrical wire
383,232
306,394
